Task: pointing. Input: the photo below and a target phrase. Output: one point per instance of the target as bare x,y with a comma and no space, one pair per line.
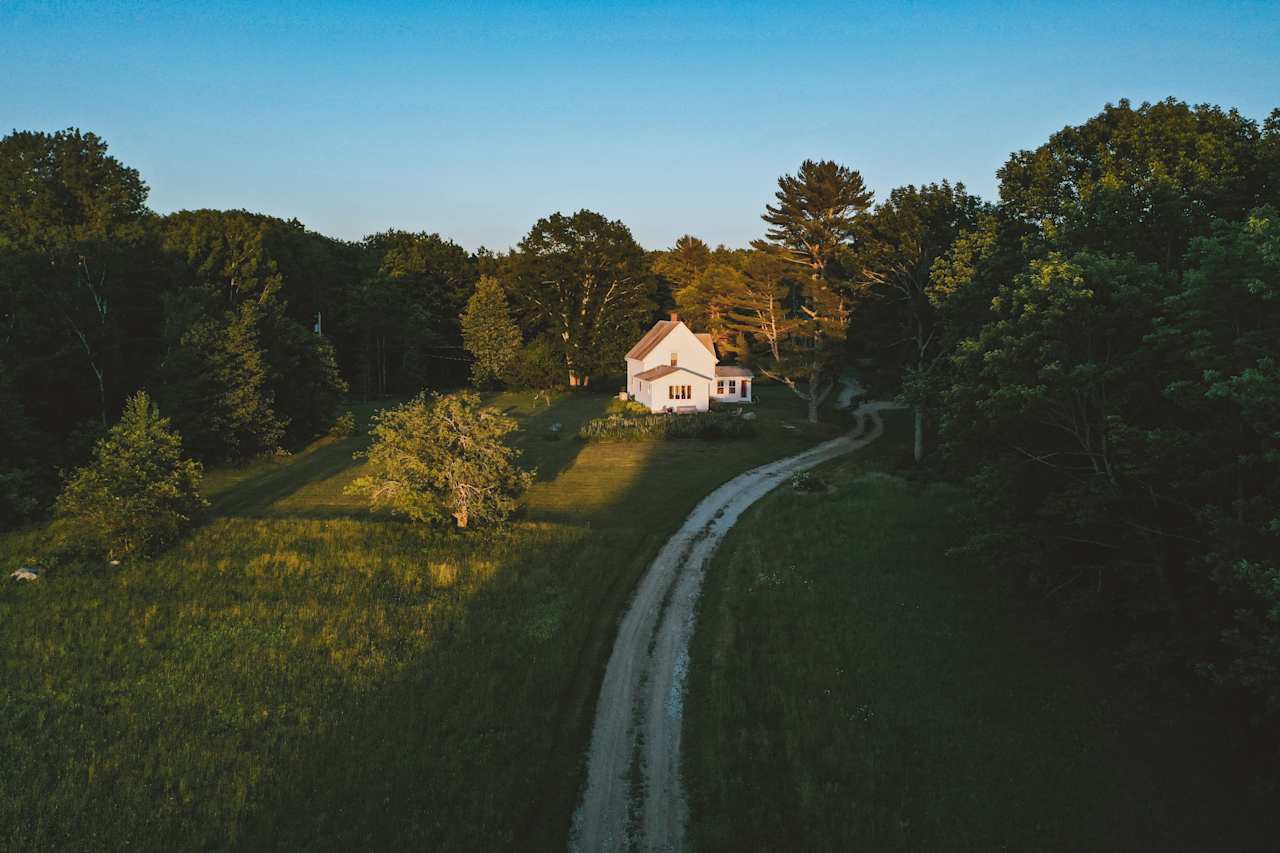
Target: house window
679,392
719,386
733,386
675,357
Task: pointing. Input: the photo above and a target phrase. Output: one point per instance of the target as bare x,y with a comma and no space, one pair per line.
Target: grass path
853,687
301,674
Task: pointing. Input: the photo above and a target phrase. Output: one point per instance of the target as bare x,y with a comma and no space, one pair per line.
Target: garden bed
650,427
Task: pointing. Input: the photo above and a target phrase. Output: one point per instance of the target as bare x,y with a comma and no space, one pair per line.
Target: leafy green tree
1217,453
306,388
263,377
1109,382
439,457
684,262
226,252
537,365
74,277
139,492
215,379
400,324
582,280
812,225
897,322
1144,180
488,332
704,302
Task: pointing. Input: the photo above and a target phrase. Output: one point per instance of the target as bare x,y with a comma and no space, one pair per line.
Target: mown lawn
300,674
854,688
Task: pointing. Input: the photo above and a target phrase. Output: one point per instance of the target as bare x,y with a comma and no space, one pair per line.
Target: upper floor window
675,357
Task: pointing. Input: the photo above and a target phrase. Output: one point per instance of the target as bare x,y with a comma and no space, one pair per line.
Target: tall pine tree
488,332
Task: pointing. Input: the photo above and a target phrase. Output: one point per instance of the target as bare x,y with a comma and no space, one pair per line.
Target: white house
672,369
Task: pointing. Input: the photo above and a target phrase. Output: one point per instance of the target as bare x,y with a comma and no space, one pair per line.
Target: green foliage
443,456
582,281
799,324
404,312
488,332
684,262
76,278
139,492
652,427
537,365
626,407
306,388
1108,383
216,383
1144,180
344,426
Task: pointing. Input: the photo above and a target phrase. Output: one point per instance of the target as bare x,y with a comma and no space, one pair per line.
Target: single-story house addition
672,369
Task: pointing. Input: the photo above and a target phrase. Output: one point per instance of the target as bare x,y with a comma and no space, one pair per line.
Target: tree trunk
813,407
573,378
461,517
919,448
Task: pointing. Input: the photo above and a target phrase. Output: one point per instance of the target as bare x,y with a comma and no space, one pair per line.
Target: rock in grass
26,574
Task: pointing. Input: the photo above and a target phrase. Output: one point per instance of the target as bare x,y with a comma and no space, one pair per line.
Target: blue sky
474,120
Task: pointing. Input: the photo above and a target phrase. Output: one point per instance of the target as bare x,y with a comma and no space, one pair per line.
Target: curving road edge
634,796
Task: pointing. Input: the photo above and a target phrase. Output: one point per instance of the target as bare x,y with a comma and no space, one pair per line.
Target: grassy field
854,688
300,674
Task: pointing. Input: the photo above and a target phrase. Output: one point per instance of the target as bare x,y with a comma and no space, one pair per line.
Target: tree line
247,330
1094,352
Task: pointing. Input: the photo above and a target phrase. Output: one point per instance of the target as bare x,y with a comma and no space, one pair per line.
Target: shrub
807,481
138,492
626,407
436,457
344,426
656,427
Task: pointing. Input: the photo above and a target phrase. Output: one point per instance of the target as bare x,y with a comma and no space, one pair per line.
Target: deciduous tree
583,281
439,457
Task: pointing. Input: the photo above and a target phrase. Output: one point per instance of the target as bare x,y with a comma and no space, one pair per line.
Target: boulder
26,574
748,416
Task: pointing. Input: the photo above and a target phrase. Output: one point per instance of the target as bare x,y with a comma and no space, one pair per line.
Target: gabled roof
666,370
733,370
660,330
658,372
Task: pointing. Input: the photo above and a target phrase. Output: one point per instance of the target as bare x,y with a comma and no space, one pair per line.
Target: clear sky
475,119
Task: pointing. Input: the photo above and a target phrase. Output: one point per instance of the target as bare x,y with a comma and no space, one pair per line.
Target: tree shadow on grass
254,497
476,740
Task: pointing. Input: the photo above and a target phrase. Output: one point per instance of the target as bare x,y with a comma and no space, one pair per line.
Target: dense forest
1095,353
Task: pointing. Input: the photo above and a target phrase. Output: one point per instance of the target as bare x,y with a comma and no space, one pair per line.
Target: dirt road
634,799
